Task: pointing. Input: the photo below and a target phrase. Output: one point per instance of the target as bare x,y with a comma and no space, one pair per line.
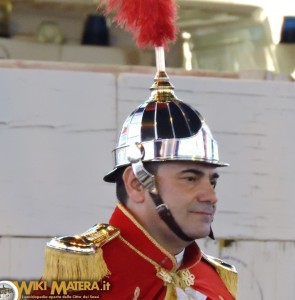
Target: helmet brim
112,176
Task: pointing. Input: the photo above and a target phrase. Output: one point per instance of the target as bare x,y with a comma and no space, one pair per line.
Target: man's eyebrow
199,173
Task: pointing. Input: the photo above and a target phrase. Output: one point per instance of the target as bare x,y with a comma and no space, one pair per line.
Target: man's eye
190,178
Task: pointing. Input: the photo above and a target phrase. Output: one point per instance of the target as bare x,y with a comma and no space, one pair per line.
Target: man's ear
134,188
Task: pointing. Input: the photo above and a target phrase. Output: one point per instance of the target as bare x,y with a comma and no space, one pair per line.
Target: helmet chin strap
167,217
211,234
148,181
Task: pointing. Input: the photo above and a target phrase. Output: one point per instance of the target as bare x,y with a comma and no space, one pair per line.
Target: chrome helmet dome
164,128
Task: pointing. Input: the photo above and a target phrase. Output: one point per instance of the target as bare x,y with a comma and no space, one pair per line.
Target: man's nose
207,193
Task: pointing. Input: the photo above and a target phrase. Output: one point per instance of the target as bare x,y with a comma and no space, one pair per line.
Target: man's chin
200,234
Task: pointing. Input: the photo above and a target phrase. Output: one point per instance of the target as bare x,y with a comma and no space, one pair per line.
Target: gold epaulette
227,273
78,257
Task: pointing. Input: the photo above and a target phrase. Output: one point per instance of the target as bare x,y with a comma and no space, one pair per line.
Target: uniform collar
137,238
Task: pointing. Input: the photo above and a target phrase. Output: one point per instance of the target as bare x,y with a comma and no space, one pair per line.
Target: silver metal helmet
163,128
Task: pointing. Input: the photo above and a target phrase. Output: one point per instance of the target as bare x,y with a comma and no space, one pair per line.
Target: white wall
57,130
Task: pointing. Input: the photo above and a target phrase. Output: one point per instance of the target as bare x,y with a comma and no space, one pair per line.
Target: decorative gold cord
172,279
154,242
139,253
182,278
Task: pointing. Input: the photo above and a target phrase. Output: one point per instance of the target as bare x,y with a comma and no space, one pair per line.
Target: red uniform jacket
139,268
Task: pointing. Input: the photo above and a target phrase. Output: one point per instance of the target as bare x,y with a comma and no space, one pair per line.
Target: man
165,173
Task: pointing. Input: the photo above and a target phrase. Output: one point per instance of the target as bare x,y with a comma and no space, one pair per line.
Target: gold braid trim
143,230
181,279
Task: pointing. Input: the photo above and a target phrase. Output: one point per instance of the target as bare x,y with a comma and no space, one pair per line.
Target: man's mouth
205,213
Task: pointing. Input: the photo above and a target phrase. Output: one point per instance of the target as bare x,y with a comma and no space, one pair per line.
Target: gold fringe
229,278
227,273
171,292
67,266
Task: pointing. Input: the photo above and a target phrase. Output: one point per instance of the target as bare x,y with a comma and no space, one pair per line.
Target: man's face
187,188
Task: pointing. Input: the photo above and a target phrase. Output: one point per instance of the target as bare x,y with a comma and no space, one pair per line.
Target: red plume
152,22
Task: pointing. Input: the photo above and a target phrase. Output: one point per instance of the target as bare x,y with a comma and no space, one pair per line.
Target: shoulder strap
227,273
78,257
